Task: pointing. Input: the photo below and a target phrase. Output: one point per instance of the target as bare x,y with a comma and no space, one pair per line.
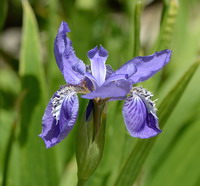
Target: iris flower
100,83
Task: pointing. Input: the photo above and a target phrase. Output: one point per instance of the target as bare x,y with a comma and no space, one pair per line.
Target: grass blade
137,17
3,12
41,170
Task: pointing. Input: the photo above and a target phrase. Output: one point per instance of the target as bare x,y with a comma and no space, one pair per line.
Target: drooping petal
116,89
72,68
98,58
60,116
145,66
140,120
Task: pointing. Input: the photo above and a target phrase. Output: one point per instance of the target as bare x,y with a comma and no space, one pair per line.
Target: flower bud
90,140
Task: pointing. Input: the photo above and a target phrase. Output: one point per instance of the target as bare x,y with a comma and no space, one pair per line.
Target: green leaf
3,12
54,76
182,170
137,20
170,12
31,69
168,104
137,157
38,165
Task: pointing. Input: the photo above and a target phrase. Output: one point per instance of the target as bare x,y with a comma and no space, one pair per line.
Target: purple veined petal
59,116
98,58
72,68
147,66
139,120
116,89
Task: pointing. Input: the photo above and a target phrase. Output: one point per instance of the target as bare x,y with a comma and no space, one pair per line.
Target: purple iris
100,83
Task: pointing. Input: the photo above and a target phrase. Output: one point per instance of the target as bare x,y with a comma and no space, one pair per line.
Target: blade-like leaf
137,157
3,12
137,17
170,13
38,165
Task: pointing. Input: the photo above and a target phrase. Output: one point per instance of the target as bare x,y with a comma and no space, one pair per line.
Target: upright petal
91,80
72,68
139,116
60,116
145,67
112,89
98,58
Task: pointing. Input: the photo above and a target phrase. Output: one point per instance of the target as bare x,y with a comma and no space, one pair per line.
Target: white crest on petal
64,92
146,96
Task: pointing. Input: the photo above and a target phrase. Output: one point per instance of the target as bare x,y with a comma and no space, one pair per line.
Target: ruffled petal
139,116
112,89
72,68
98,58
59,116
145,67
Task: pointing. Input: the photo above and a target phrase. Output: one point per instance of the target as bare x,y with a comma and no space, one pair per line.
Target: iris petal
72,68
145,66
59,117
116,89
140,122
129,69
98,58
116,77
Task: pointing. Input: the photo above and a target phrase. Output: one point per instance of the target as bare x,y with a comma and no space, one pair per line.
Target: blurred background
29,76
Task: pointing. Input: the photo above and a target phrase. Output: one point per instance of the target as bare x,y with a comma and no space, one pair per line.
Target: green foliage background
29,76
